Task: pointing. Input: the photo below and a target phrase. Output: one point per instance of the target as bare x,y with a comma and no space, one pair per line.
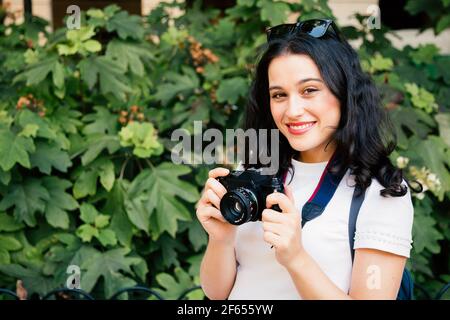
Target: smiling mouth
302,126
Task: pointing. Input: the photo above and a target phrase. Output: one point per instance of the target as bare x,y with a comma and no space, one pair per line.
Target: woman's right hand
208,209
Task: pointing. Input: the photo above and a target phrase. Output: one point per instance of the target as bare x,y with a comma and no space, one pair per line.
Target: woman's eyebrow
299,82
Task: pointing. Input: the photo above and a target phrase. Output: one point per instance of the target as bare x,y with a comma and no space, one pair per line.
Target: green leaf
26,117
231,89
86,232
143,137
4,257
434,153
157,190
125,25
102,121
424,54
108,73
27,198
443,120
36,73
106,174
273,12
114,206
101,221
174,287
425,234
9,243
107,237
29,131
421,98
96,144
197,235
138,212
130,55
5,177
86,177
14,149
177,84
92,46
48,155
88,213
443,23
59,203
9,224
106,265
86,184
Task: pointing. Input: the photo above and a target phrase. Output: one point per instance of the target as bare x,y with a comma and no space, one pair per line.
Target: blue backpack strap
357,200
406,290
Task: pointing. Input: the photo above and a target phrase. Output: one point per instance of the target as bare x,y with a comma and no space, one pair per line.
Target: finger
269,215
276,228
204,200
271,238
282,200
216,186
213,198
206,213
218,172
289,194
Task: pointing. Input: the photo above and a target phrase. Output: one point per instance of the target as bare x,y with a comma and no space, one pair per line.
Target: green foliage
85,127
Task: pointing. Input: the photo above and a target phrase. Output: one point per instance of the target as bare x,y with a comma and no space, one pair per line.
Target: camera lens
239,206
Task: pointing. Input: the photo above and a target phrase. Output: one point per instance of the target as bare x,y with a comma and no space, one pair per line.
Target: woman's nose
296,107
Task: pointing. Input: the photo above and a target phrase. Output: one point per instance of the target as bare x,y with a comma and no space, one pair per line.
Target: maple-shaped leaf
157,189
114,207
177,84
102,121
108,73
27,197
174,287
37,72
132,56
125,25
86,177
48,155
108,265
59,203
14,149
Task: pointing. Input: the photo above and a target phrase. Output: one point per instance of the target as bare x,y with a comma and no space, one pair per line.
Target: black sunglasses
316,28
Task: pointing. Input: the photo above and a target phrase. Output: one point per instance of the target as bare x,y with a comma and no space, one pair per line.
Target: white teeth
302,126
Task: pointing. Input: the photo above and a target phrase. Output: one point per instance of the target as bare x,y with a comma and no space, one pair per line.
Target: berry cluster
31,103
199,55
135,113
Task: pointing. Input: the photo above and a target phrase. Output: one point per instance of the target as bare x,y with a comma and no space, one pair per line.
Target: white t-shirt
383,223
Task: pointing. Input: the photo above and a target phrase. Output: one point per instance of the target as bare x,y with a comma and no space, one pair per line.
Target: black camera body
246,195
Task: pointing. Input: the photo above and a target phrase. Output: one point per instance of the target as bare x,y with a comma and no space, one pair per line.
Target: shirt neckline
308,168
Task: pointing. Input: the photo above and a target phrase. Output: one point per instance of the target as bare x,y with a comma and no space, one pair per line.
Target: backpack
407,284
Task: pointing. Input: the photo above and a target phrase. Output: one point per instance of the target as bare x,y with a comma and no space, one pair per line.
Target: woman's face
304,109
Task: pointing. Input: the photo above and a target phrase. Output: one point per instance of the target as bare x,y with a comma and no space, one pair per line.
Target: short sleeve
385,223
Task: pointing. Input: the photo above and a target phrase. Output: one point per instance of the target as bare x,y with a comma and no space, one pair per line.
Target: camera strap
322,194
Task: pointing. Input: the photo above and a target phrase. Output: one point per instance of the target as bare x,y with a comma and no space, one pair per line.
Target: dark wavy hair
364,138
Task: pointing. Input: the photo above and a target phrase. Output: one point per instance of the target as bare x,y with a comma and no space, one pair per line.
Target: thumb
288,193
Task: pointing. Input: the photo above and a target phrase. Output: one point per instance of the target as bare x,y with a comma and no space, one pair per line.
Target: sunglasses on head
316,28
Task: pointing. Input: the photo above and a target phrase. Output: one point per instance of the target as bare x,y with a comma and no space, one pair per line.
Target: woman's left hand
283,229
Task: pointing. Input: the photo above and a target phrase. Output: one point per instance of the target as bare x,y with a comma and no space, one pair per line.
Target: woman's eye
309,90
277,95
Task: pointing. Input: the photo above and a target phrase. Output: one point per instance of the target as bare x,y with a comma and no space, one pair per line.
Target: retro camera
246,195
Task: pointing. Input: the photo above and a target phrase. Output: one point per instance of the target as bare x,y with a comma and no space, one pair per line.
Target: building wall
342,9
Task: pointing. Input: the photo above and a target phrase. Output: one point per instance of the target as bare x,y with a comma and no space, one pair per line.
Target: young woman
309,84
